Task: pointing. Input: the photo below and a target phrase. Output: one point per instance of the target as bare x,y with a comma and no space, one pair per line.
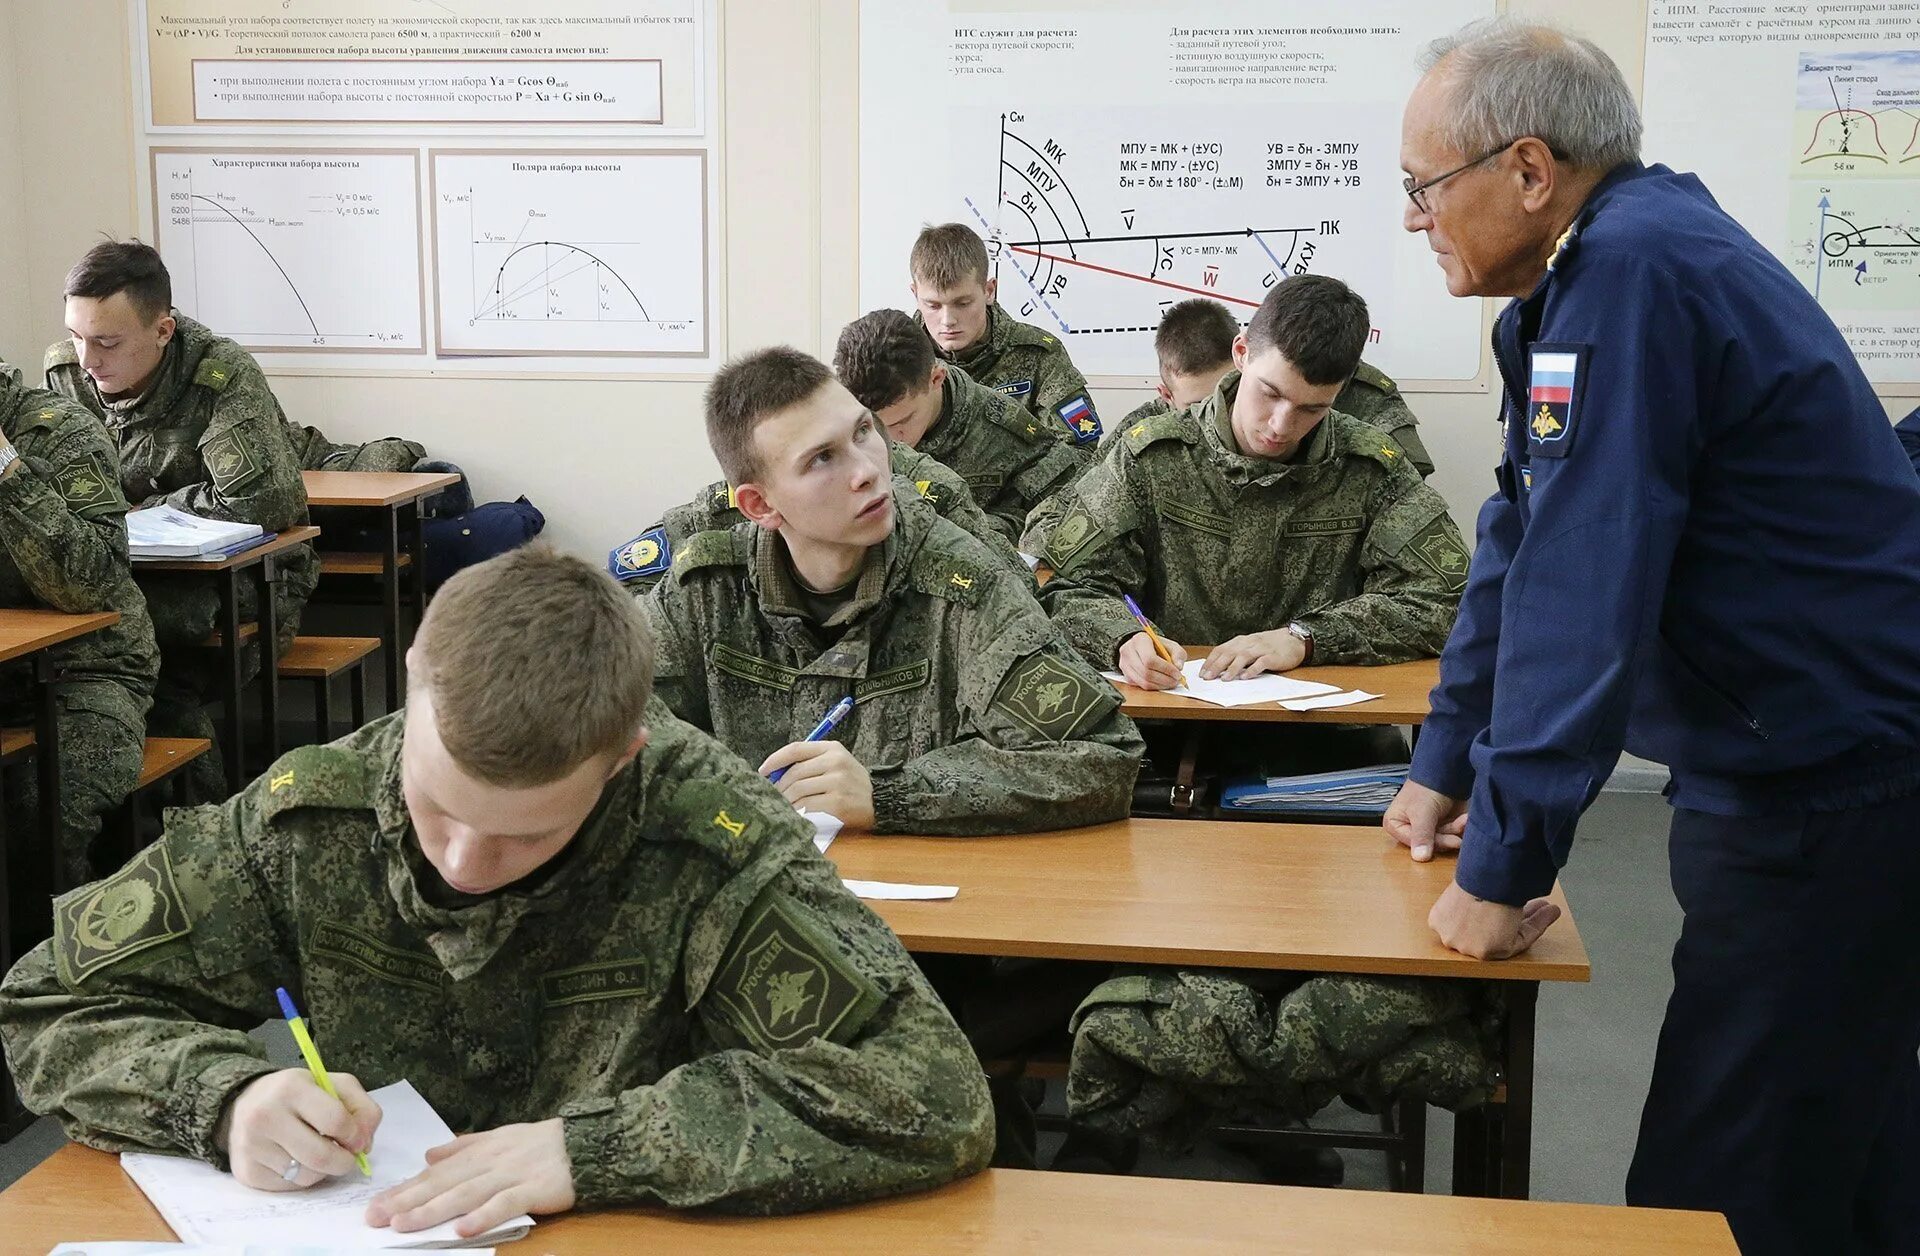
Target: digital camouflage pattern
1161,1054
641,562
63,546
207,437
1346,539
1031,366
314,452
1010,458
689,985
972,716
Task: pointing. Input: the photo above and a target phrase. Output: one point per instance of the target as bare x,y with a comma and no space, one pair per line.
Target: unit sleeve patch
138,907
786,981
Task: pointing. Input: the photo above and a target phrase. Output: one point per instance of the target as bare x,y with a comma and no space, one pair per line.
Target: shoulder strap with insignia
317,776
943,573
1004,411
1171,425
213,374
711,549
60,353
1375,378
1356,438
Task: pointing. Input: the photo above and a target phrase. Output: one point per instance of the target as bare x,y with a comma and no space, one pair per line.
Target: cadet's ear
993,291
939,377
1240,351
753,503
163,330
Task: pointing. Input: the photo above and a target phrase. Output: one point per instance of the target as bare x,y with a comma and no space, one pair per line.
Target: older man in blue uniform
1705,548
1908,430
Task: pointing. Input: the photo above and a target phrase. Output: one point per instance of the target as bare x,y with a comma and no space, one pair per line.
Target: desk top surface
1193,893
79,1193
1403,689
373,488
245,558
26,630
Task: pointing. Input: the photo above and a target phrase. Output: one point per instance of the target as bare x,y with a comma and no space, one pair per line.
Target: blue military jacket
1705,546
1909,433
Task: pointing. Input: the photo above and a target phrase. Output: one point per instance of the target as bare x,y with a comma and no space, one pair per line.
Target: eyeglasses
1417,192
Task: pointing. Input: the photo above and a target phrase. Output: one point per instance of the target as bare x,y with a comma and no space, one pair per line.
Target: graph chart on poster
290,251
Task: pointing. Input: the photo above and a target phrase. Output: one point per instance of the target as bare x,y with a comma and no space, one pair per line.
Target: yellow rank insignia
101,924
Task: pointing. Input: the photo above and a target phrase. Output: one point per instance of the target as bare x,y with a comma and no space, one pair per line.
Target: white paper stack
164,532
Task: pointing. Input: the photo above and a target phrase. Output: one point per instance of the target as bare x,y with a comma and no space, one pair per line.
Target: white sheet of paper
204,1205
1030,560
1348,698
895,891
825,828
1250,691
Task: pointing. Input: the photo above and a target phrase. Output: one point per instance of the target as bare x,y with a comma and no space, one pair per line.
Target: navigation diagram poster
1119,159
248,64
1803,120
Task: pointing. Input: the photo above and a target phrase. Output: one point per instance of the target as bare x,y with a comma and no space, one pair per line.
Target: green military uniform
1009,457
1021,361
63,545
314,452
1160,1054
972,714
206,437
1346,539
641,562
688,985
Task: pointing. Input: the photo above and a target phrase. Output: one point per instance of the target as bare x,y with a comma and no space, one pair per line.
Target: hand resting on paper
481,1181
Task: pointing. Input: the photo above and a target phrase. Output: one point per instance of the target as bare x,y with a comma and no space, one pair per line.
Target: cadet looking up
597,943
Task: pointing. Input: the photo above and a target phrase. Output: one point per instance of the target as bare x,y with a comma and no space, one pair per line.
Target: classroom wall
601,457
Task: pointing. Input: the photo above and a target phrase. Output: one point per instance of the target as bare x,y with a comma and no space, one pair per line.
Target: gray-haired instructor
1705,547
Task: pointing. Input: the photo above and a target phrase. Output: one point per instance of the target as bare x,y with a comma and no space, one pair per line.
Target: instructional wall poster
1803,120
335,63
1119,158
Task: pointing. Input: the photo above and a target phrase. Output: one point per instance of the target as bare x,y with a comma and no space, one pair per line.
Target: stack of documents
1360,791
163,532
1294,695
204,1205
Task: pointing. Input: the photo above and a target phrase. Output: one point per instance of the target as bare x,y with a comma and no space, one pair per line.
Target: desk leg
390,595
1181,796
234,666
269,656
417,547
1514,1149
46,761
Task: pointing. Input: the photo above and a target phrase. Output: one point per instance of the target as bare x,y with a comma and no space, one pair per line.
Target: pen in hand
311,1054
822,730
1146,625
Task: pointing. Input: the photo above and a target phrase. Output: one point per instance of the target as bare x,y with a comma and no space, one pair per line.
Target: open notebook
205,1205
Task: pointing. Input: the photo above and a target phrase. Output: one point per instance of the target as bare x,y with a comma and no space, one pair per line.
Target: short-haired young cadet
957,301
197,428
1193,347
63,546
1261,521
591,937
972,715
1011,458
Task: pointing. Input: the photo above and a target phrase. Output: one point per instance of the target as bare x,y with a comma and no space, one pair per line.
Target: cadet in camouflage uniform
63,545
314,452
957,305
672,987
1322,544
1010,458
971,714
641,562
197,428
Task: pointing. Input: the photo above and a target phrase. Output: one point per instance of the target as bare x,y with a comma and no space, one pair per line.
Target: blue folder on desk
1351,791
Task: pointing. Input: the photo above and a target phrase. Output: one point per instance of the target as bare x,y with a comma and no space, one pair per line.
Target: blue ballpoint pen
822,730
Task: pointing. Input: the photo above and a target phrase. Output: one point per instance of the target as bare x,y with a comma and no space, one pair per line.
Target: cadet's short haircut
1318,323
749,389
124,266
883,357
535,662
949,255
1194,336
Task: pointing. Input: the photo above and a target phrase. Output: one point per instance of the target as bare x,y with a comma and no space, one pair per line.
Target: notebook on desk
205,1205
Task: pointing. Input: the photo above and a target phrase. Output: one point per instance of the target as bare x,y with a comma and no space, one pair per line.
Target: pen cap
286,1003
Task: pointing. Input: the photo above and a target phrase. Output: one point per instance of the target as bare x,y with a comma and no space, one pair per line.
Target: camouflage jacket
208,437
972,714
314,452
641,562
1346,539
1004,453
1020,361
63,535
718,1021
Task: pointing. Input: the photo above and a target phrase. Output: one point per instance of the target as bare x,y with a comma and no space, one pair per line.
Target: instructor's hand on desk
1143,667
480,1181
1421,819
824,776
1256,652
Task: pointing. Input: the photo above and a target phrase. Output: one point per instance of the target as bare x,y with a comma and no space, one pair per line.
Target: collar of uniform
981,357
779,588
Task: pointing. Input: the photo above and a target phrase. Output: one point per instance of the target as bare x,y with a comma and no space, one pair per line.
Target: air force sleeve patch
1078,414
1553,398
646,555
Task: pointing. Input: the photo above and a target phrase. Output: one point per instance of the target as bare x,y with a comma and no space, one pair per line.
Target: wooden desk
1235,894
29,635
78,1193
397,496
226,572
1403,689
